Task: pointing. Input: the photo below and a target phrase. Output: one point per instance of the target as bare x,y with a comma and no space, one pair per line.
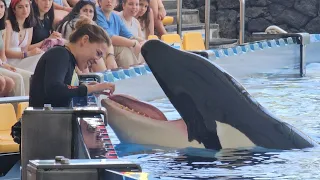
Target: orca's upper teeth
132,110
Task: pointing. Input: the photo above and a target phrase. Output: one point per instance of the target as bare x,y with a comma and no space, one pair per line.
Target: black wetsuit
51,82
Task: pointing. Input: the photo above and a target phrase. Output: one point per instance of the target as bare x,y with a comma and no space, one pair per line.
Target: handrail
242,21
302,39
14,99
275,30
207,23
179,17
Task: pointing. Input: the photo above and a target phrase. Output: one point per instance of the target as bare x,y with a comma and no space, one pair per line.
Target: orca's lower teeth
132,110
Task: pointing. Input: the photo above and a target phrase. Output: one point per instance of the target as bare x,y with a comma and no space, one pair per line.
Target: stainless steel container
50,132
77,169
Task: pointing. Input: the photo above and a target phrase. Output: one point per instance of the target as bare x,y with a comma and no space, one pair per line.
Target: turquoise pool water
293,99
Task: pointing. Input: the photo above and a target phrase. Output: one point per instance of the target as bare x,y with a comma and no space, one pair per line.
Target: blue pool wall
243,60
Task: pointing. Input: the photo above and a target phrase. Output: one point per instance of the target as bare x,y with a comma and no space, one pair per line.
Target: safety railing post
207,23
179,17
242,21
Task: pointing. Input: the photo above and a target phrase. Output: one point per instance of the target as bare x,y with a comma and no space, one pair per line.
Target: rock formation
291,15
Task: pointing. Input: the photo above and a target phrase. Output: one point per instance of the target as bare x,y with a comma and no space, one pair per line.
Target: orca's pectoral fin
202,131
198,129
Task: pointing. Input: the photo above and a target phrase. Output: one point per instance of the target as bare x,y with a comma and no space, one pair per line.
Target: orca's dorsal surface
204,93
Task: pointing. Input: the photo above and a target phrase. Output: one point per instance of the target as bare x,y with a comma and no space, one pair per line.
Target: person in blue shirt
127,48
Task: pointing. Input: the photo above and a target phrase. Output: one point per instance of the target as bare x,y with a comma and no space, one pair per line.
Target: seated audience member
83,8
61,9
19,76
159,12
67,26
72,3
145,17
19,35
126,48
6,86
130,10
43,30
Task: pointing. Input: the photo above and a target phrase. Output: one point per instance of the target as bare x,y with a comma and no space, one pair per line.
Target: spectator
61,9
130,10
19,31
67,24
145,17
43,30
127,49
19,76
159,12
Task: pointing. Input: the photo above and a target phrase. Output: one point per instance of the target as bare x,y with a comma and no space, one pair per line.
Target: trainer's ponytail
86,26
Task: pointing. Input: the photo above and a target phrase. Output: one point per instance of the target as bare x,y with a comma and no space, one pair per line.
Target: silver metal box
77,169
49,132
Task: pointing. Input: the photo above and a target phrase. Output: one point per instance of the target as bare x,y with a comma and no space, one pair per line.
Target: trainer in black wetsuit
51,82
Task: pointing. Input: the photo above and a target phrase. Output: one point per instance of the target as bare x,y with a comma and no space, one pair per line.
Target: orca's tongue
139,106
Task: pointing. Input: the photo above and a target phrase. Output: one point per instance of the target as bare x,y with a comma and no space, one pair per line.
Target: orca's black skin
202,92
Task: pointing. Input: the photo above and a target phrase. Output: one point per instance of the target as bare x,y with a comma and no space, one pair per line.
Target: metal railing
303,39
275,30
179,17
14,99
242,21
207,21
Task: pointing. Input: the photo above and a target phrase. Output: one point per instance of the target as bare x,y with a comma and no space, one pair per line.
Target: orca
207,97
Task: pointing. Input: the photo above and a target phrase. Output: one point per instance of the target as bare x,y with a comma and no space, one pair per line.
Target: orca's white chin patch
145,127
136,122
231,137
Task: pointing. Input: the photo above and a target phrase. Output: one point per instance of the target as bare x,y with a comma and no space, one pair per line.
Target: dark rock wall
291,15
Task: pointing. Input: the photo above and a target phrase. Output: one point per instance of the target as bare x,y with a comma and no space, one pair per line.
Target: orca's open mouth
137,107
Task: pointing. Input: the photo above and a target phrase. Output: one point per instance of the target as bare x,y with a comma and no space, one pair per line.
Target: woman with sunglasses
55,81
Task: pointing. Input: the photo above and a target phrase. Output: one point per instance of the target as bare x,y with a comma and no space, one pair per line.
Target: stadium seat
152,37
172,39
21,107
7,120
168,20
193,41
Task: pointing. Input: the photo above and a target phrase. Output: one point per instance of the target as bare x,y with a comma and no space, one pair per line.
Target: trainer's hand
93,83
109,88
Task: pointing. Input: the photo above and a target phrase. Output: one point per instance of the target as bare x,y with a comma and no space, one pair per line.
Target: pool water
293,99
